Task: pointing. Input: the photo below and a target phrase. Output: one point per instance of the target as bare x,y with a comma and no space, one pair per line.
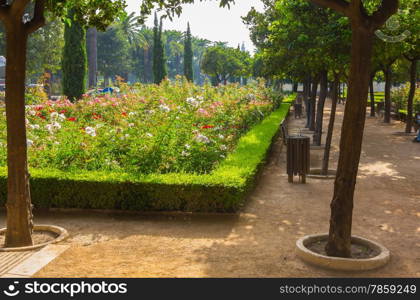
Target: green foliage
223,190
74,62
399,97
188,55
159,61
225,63
292,44
45,50
113,53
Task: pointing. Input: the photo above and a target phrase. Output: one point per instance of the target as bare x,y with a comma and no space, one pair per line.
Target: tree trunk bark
92,48
306,95
320,109
48,76
295,87
413,79
372,97
339,240
19,208
387,115
312,104
334,97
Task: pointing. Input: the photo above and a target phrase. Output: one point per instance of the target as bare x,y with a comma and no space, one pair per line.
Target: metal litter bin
298,157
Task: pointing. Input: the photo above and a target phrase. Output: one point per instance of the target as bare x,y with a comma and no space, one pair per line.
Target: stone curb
61,232
338,263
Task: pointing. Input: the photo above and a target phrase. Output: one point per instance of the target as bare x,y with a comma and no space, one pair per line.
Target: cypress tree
74,62
159,61
163,72
188,56
156,69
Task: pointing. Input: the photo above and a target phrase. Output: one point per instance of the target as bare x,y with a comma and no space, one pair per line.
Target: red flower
124,114
63,111
71,119
96,116
39,114
207,127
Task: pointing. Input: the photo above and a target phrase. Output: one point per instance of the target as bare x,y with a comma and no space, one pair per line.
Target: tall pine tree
188,56
74,62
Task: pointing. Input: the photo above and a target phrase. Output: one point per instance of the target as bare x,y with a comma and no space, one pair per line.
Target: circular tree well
366,254
42,236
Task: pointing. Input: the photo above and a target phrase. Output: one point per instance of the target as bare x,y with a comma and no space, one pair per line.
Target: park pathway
260,240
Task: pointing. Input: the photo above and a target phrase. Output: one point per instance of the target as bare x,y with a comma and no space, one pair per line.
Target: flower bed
175,127
218,186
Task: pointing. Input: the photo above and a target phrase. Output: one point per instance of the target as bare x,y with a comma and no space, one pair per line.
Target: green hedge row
223,190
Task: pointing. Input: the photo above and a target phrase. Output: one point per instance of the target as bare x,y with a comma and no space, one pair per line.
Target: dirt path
258,242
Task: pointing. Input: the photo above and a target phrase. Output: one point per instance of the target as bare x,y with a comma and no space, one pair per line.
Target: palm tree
132,29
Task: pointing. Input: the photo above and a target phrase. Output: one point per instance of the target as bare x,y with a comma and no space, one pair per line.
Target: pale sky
209,21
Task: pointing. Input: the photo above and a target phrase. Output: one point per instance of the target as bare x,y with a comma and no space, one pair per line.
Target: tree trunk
19,208
339,240
320,109
312,105
334,97
387,115
372,97
92,48
413,75
295,87
306,95
48,82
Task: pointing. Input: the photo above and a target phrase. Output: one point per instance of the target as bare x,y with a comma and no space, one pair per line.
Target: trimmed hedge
223,190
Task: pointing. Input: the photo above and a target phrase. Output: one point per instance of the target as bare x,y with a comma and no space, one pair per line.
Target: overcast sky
211,22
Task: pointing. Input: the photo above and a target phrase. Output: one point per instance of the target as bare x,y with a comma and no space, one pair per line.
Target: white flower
57,143
185,153
50,128
91,131
32,113
202,139
54,115
164,108
221,136
62,117
26,121
187,146
191,101
150,112
223,147
35,126
31,126
131,125
149,134
251,97
127,135
56,125
201,98
29,142
132,113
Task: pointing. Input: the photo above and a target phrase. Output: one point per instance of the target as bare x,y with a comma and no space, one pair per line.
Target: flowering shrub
399,97
174,127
